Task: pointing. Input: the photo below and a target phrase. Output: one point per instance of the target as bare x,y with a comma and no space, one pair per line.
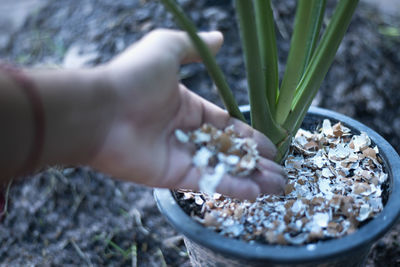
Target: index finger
221,119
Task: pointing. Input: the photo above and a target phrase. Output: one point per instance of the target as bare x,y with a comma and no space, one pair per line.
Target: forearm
78,108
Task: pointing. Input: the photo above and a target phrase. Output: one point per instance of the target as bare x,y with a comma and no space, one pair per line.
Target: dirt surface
76,216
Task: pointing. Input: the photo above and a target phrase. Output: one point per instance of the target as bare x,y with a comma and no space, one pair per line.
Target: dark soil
80,217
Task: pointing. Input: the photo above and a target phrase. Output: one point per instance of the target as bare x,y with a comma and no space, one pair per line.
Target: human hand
151,104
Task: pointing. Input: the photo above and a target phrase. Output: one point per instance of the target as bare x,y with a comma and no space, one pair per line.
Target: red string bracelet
28,87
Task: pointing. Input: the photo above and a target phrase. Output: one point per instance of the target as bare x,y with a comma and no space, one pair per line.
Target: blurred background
78,216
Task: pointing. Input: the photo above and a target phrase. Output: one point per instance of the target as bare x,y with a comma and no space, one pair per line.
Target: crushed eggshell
334,185
181,136
219,152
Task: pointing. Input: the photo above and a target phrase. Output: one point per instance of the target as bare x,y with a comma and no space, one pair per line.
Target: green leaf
389,31
261,117
320,63
268,50
208,59
309,16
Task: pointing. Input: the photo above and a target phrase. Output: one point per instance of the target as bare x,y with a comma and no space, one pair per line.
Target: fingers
268,179
179,45
271,177
169,47
241,188
266,148
270,183
270,166
220,118
261,182
188,52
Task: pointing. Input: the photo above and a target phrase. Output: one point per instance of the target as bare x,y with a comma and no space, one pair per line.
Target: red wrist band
28,87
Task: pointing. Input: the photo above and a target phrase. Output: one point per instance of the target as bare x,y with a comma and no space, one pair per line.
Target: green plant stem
309,16
320,63
208,59
261,117
268,50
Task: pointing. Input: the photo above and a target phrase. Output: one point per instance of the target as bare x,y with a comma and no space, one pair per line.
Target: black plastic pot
208,248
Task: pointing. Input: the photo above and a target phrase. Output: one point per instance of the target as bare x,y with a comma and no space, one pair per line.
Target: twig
77,202
162,259
6,198
138,220
59,175
80,253
134,255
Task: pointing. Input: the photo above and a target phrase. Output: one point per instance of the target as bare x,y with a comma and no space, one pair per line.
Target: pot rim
364,236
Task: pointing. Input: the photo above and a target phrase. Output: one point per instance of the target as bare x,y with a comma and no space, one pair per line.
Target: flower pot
208,248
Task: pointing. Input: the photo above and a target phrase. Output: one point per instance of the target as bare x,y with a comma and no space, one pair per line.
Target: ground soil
76,216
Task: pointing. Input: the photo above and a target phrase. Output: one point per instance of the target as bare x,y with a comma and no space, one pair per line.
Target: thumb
179,45
189,53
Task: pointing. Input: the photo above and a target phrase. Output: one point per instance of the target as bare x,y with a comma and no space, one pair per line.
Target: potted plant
278,111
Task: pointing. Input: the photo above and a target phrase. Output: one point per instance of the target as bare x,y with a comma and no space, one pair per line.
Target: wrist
105,108
79,107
